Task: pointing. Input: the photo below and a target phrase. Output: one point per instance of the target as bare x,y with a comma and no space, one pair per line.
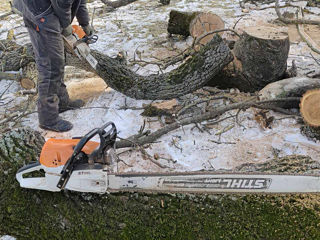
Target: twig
276,109
84,108
237,119
182,110
224,130
315,59
214,90
121,160
291,21
218,142
144,152
6,90
284,6
174,143
197,126
312,45
234,26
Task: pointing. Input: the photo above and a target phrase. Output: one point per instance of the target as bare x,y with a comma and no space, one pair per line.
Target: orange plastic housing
78,30
56,152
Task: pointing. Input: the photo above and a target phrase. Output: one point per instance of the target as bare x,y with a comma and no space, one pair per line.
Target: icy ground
141,27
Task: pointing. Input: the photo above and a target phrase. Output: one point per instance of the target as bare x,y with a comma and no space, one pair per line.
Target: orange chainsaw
81,48
87,166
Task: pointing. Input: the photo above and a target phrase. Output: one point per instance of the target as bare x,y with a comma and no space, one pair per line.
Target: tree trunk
194,24
260,58
20,146
188,77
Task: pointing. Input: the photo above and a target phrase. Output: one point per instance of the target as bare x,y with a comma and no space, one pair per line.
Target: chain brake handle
107,138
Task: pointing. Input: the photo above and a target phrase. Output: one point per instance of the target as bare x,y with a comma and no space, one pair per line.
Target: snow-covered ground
141,27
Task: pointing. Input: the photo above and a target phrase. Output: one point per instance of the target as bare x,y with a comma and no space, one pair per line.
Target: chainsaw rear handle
40,183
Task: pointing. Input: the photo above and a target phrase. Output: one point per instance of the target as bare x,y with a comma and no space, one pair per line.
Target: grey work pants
48,48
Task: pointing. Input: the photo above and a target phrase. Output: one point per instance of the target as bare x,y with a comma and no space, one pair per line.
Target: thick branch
188,77
199,118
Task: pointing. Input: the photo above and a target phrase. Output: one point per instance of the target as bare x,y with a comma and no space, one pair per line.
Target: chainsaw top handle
107,140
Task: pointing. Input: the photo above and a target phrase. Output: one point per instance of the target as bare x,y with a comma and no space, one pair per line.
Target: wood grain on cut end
266,32
203,23
310,107
27,83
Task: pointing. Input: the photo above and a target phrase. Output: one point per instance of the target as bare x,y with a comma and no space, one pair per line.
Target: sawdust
4,6
86,89
313,32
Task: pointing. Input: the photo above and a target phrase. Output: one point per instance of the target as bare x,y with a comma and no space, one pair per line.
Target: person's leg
49,54
65,103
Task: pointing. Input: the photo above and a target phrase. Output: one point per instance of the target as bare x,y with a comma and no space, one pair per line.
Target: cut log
260,58
290,87
194,24
188,77
204,23
30,76
310,107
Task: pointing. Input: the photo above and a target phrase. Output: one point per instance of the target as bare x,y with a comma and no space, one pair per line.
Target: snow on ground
142,26
7,237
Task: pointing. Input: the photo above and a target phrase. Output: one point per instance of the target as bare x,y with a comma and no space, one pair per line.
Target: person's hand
69,38
67,31
88,30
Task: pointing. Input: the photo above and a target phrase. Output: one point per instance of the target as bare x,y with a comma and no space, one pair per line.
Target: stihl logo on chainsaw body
218,183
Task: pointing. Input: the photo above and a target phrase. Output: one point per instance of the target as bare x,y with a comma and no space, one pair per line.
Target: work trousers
48,49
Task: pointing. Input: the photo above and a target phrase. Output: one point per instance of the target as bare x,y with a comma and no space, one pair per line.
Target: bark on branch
199,118
188,77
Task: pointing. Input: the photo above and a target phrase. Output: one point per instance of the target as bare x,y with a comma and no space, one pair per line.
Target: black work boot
78,103
60,126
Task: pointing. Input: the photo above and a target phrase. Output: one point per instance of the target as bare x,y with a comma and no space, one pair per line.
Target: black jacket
65,10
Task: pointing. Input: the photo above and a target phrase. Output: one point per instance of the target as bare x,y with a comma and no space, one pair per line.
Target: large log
188,77
260,58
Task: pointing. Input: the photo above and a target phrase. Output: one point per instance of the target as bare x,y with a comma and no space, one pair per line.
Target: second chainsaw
81,48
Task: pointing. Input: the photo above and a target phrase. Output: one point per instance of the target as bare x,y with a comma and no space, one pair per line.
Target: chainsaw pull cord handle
106,138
